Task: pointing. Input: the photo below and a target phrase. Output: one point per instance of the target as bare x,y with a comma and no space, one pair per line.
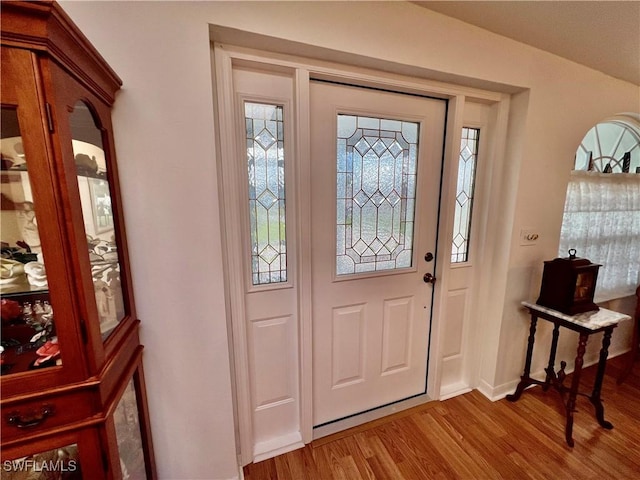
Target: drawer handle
32,419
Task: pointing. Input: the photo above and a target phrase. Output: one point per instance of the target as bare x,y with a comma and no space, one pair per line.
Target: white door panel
262,170
371,327
458,330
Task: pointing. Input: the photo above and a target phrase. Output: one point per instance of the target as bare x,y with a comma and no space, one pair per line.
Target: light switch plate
529,236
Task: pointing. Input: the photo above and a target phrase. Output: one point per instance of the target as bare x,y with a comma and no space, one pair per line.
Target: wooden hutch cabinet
73,395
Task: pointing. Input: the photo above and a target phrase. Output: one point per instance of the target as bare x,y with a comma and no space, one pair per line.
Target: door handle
428,278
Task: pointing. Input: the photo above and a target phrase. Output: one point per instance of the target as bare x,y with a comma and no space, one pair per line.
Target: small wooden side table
585,324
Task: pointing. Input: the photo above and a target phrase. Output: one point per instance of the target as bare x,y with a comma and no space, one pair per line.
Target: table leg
597,386
525,379
551,374
575,383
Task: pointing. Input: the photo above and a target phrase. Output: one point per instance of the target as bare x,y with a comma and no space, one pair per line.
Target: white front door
376,162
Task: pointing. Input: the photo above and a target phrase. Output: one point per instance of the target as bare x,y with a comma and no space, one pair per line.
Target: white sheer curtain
602,222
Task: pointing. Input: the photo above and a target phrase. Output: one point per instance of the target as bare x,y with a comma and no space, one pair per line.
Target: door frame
302,70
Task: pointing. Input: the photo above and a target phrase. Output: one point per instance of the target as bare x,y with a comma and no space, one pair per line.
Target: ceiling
603,35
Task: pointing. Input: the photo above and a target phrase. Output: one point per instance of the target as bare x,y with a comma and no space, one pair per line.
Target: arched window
602,208
611,146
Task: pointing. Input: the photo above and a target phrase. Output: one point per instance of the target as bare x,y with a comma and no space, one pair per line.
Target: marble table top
591,320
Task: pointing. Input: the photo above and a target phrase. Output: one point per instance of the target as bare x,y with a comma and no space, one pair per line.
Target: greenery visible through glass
464,194
265,166
376,191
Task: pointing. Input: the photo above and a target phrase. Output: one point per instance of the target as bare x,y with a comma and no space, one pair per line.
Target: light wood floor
469,437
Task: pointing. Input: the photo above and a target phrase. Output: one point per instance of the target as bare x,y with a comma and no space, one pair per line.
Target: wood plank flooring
469,437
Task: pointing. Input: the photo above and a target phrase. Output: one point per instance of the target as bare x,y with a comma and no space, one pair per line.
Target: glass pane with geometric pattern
376,191
464,194
265,164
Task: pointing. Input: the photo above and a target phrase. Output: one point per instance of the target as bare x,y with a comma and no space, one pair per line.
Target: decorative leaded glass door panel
376,166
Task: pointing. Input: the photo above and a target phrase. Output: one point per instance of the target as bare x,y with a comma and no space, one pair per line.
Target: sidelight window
464,194
265,167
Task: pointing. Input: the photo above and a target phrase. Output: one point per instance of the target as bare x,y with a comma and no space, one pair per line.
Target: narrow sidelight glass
464,194
266,176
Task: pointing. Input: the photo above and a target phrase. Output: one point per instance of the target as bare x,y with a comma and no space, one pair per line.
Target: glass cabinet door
95,198
28,333
128,434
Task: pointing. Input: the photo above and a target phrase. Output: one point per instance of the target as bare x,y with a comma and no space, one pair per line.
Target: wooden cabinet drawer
31,416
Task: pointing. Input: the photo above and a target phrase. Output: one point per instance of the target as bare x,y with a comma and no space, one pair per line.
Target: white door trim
303,182
225,57
232,247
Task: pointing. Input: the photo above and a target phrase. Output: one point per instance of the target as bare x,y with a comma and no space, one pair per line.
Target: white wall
165,144
163,124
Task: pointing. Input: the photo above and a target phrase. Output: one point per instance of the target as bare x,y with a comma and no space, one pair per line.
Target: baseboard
453,390
277,446
240,475
499,392
496,393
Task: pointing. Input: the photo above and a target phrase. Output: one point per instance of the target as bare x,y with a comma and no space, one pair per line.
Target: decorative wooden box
568,284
